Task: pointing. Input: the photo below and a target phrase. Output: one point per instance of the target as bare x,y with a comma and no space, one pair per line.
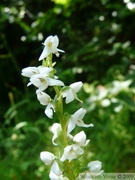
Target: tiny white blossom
95,167
51,43
71,152
46,100
71,93
42,81
76,119
80,139
47,157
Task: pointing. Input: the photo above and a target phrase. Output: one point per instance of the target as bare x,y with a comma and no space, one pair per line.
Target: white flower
42,81
80,139
47,157
95,167
46,100
70,93
54,176
29,71
71,152
43,98
55,129
51,43
76,119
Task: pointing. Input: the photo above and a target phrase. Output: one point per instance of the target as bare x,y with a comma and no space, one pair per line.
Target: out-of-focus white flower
76,119
70,92
55,129
46,100
51,43
47,157
71,152
42,81
95,167
80,139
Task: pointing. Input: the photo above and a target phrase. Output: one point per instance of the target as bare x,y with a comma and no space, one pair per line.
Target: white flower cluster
73,146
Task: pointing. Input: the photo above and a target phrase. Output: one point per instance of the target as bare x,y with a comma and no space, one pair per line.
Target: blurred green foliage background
98,37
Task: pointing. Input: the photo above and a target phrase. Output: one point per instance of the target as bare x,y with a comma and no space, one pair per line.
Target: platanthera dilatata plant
66,164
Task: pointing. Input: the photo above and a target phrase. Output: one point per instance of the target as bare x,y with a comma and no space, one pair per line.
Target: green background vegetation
98,37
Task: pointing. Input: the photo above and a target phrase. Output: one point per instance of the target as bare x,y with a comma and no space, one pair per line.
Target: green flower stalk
66,165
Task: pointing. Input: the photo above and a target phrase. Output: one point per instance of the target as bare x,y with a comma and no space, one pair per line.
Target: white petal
76,86
29,71
55,169
55,82
48,39
44,70
29,84
49,111
60,50
56,128
95,166
71,126
47,157
80,123
44,54
55,41
43,98
53,176
69,96
79,114
80,138
71,152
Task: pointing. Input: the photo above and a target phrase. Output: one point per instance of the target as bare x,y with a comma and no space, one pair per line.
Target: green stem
68,166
